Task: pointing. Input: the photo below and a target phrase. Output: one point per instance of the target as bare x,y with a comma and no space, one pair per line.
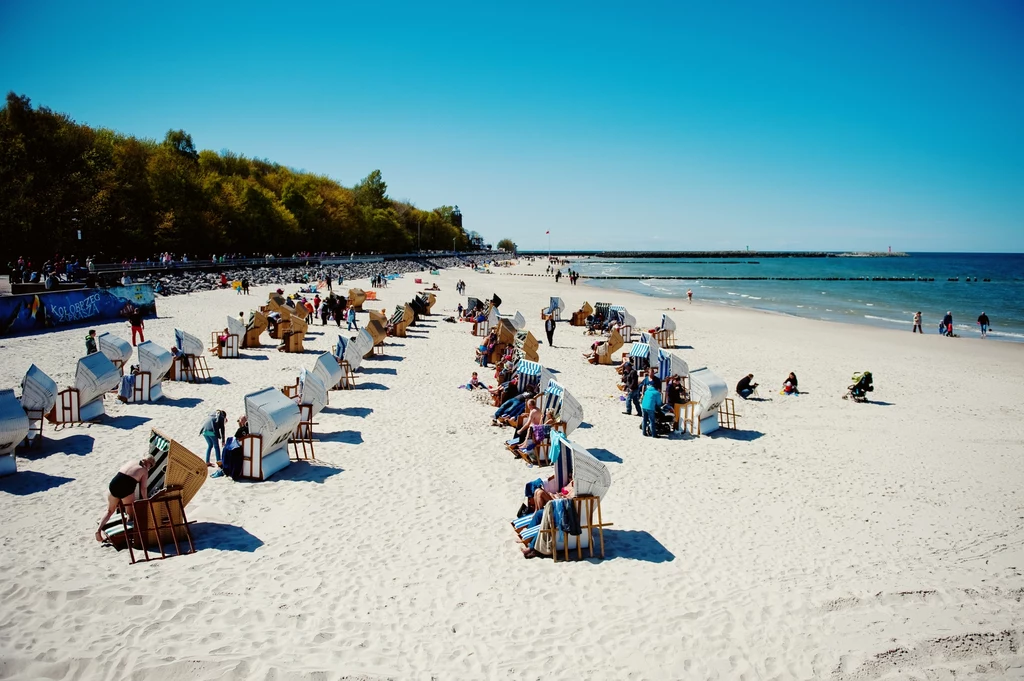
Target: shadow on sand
604,455
30,482
349,437
308,471
635,545
224,537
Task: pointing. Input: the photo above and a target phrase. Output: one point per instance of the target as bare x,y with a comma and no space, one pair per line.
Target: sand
823,540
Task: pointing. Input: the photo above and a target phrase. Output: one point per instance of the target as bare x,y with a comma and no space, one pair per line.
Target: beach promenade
821,540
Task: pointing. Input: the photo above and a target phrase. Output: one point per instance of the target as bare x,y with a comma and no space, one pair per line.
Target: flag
548,232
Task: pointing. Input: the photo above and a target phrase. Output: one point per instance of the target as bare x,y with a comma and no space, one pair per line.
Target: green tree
507,245
372,191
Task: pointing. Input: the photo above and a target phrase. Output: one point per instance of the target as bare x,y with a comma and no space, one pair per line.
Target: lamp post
419,240
453,244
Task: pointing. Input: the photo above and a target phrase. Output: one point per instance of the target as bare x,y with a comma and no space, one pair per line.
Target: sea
872,290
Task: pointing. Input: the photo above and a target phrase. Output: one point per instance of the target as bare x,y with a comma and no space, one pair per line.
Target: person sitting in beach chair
483,353
533,418
595,348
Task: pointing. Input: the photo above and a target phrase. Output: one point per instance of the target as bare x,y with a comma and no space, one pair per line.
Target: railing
272,261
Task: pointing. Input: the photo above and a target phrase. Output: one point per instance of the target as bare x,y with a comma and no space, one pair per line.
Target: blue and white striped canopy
671,365
640,350
528,368
645,338
667,323
339,348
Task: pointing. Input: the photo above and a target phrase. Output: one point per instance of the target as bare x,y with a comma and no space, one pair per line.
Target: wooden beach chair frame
605,353
252,335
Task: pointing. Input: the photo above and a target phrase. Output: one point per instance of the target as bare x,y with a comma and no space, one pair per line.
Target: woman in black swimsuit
122,488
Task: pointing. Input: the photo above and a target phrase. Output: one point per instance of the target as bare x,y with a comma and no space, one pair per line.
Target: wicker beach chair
356,298
292,340
579,317
38,397
14,427
159,521
256,326
378,333
606,352
272,420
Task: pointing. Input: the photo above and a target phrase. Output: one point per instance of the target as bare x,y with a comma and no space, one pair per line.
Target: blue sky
614,125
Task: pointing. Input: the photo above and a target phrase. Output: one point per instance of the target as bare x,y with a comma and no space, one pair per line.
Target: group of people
644,393
946,325
746,387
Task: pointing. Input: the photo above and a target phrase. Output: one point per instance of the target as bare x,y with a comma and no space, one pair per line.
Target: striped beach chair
666,333
591,481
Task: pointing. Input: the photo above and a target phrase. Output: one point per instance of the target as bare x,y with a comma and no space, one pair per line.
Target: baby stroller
860,388
664,419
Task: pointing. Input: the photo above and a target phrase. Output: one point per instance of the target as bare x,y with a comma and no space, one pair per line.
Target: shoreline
846,319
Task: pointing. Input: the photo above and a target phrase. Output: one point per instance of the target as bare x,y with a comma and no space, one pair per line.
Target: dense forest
134,197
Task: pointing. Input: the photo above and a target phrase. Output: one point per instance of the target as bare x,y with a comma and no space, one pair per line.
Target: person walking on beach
983,323
549,329
122,488
689,296
947,323
917,323
352,319
135,319
90,342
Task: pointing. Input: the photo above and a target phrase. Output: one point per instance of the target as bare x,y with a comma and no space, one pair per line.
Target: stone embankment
178,282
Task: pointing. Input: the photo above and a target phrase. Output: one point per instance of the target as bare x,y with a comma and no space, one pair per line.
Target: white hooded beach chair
272,420
519,321
554,308
483,328
591,481
189,365
328,369
567,408
627,322
310,393
154,363
232,341
94,376
38,396
13,429
117,350
666,334
710,407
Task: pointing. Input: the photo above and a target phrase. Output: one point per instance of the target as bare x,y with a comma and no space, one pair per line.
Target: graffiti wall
38,312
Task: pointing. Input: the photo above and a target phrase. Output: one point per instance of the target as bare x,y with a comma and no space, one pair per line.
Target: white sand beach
822,540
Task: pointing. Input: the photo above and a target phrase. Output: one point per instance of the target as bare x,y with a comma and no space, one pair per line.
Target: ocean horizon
875,291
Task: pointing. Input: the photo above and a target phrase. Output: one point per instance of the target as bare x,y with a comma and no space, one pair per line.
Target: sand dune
823,540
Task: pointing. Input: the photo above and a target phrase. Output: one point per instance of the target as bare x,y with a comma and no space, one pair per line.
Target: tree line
77,190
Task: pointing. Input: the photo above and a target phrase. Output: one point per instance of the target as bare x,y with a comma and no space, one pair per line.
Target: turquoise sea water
879,303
